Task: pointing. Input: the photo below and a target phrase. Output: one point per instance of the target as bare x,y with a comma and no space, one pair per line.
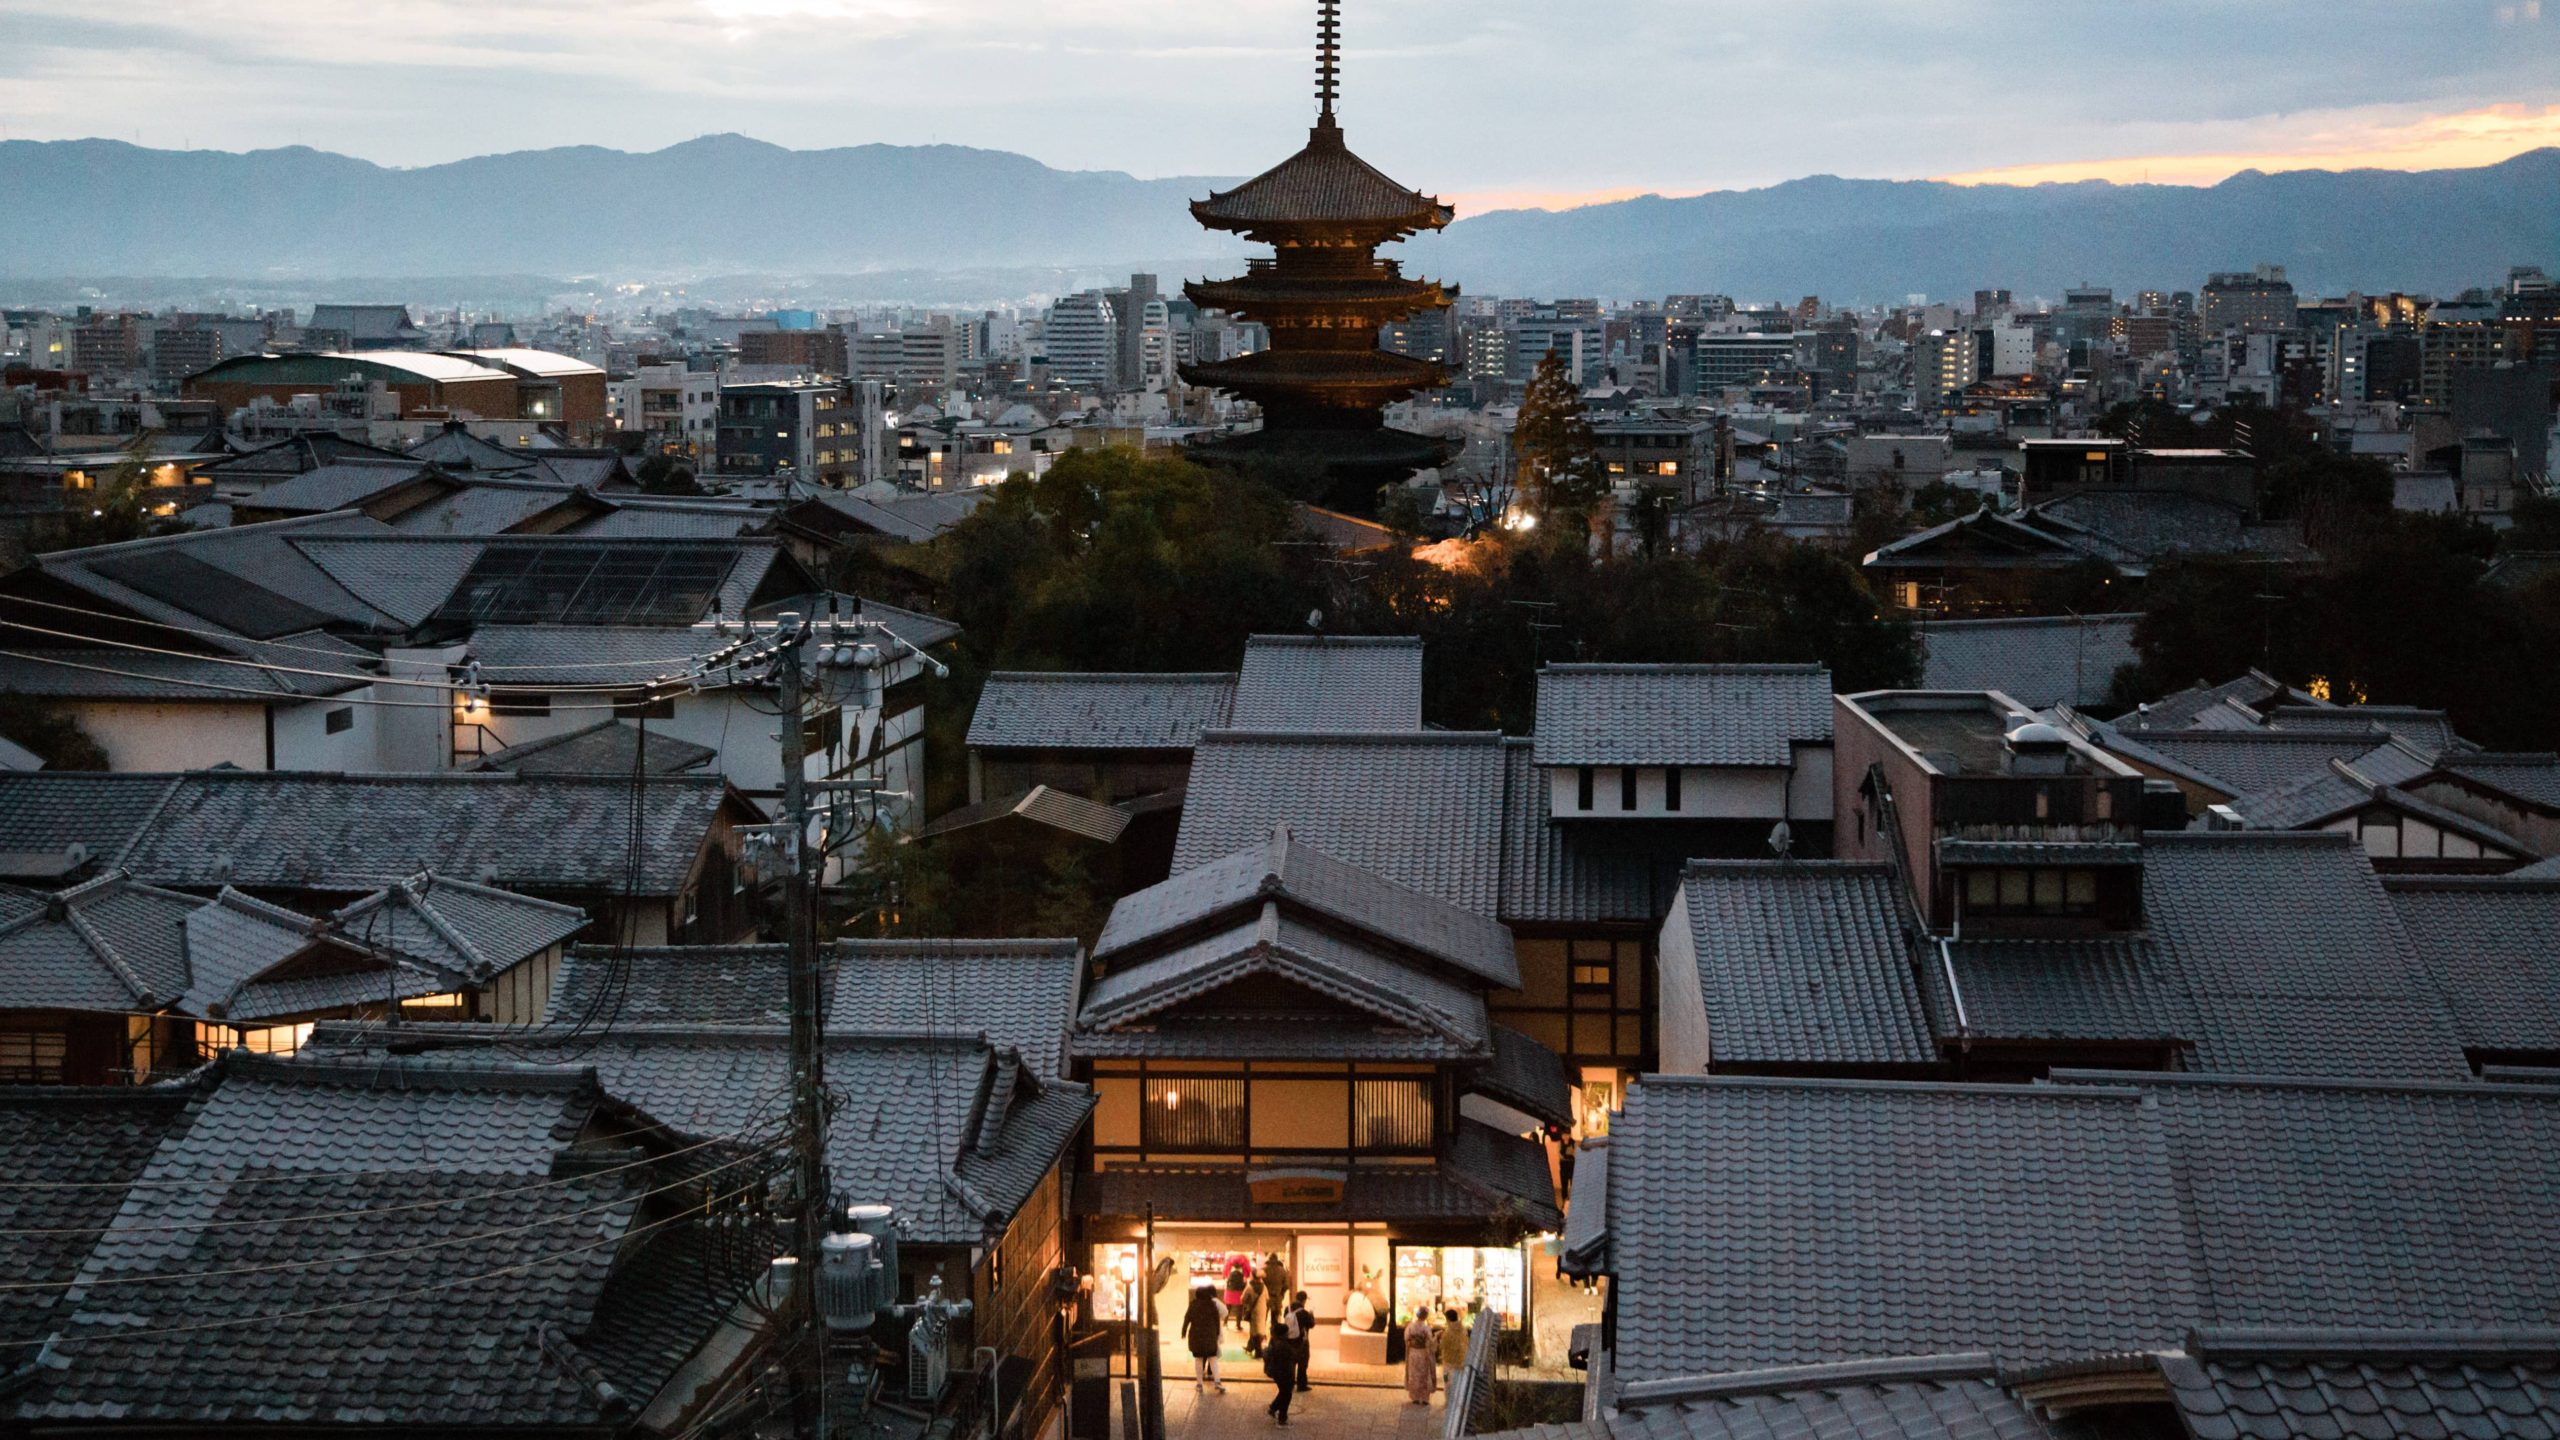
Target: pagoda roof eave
1323,186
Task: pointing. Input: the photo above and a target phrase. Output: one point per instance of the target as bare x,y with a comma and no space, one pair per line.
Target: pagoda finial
1328,56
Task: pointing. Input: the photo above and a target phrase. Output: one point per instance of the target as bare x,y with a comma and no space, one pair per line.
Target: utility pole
804,1333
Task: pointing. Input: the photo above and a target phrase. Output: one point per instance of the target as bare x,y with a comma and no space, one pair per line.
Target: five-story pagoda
1323,295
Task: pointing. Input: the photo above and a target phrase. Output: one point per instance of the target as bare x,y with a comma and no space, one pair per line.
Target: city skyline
1726,96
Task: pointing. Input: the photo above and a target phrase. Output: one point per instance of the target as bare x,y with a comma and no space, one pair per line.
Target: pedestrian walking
1453,1347
1203,1328
1281,1366
1420,1379
1302,1324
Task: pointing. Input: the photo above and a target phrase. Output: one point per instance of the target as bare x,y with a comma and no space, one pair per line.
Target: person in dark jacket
1203,1327
1303,1322
1279,1361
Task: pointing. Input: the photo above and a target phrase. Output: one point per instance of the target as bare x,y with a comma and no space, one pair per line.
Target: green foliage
54,736
1938,502
1551,444
666,475
2398,615
1406,511
116,509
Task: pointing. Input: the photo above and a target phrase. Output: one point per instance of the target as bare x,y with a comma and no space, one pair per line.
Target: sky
1490,103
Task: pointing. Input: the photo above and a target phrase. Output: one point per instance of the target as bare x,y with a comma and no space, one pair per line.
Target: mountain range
729,205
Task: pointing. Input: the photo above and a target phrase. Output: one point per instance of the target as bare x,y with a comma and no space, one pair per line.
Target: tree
666,475
54,736
1552,446
116,508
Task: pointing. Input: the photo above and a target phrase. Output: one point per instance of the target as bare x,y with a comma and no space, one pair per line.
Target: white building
1080,340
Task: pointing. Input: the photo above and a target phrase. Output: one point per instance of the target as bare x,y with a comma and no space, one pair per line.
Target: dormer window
2030,891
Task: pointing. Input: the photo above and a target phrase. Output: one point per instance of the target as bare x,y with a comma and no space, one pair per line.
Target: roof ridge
1964,1365
2305,1342
1648,667
1114,676
2063,1078
1975,1089
1451,738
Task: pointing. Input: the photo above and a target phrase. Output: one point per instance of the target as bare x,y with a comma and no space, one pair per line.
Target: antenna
1328,56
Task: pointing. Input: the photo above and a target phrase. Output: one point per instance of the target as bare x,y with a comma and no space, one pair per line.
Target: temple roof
1323,184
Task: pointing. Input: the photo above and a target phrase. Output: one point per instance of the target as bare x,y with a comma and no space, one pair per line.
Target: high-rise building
1082,340
2255,301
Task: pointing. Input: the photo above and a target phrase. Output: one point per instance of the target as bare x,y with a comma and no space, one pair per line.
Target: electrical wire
198,1182
150,1277
356,676
43,659
322,649
343,1305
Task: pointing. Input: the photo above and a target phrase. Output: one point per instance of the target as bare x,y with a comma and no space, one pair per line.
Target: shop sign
1295,1187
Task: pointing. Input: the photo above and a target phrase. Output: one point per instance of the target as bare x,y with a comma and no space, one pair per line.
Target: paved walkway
1327,1412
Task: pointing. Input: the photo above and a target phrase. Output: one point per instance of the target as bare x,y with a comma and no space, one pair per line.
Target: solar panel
552,583
179,579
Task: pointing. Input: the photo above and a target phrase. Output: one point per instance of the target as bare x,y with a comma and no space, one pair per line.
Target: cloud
2433,142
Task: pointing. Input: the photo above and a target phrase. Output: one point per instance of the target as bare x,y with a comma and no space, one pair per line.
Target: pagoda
1323,296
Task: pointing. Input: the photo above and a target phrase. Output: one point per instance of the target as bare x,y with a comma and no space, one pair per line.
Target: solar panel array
601,584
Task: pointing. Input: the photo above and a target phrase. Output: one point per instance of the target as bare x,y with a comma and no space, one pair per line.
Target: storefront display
1114,1265
1476,1279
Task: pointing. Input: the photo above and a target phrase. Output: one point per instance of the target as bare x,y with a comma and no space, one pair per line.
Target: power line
358,676
226,635
200,1181
153,1277
43,659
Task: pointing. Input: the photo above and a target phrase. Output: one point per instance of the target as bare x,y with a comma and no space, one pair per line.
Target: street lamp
1128,1267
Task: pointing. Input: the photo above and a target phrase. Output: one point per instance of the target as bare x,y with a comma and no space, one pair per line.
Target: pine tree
1552,446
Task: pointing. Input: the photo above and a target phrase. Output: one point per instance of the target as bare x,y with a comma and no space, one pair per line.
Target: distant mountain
719,203
725,204
1870,240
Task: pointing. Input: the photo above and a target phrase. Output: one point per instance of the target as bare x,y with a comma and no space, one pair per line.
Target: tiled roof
2270,952
2153,525
2533,777
2246,762
1034,711
608,747
2334,789
2493,945
338,486
405,577
108,944
1805,963
2276,1385
474,931
1040,805
2037,661
1322,183
314,831
1423,810
532,655
491,509
627,520
1854,1220
115,673
2060,1222
1526,1076
1329,683
2183,709
68,1154
250,580
1151,1006
1680,714
1575,873
1282,867
1485,1172
234,941
200,1306
1021,994
1927,1398
2427,731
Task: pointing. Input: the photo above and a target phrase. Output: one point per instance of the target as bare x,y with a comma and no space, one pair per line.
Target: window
2031,892
1192,1112
339,721
33,1057
1627,788
1593,964
1582,782
274,1039
519,702
1391,1114
1671,788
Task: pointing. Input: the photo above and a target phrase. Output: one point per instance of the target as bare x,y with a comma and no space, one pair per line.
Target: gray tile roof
293,830
108,944
1680,714
463,929
2245,762
115,673
2274,1385
1574,873
608,747
339,486
1020,994
2037,661
249,580
1928,1398
1164,1003
406,577
2493,946
1055,810
68,1154
234,941
2332,790
630,520
2184,709
491,509
1423,810
372,1166
1757,1223
1330,683
532,655
1284,868
2533,777
2429,732
2062,1222
1806,963
1033,711
2271,953
1526,1076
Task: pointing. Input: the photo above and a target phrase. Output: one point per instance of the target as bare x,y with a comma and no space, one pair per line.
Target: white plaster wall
1686,1044
142,735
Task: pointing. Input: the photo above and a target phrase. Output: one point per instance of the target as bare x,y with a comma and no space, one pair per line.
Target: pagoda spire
1328,58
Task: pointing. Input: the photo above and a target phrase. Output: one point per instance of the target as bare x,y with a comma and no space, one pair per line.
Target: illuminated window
2031,892
1192,1112
274,1039
1391,1114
